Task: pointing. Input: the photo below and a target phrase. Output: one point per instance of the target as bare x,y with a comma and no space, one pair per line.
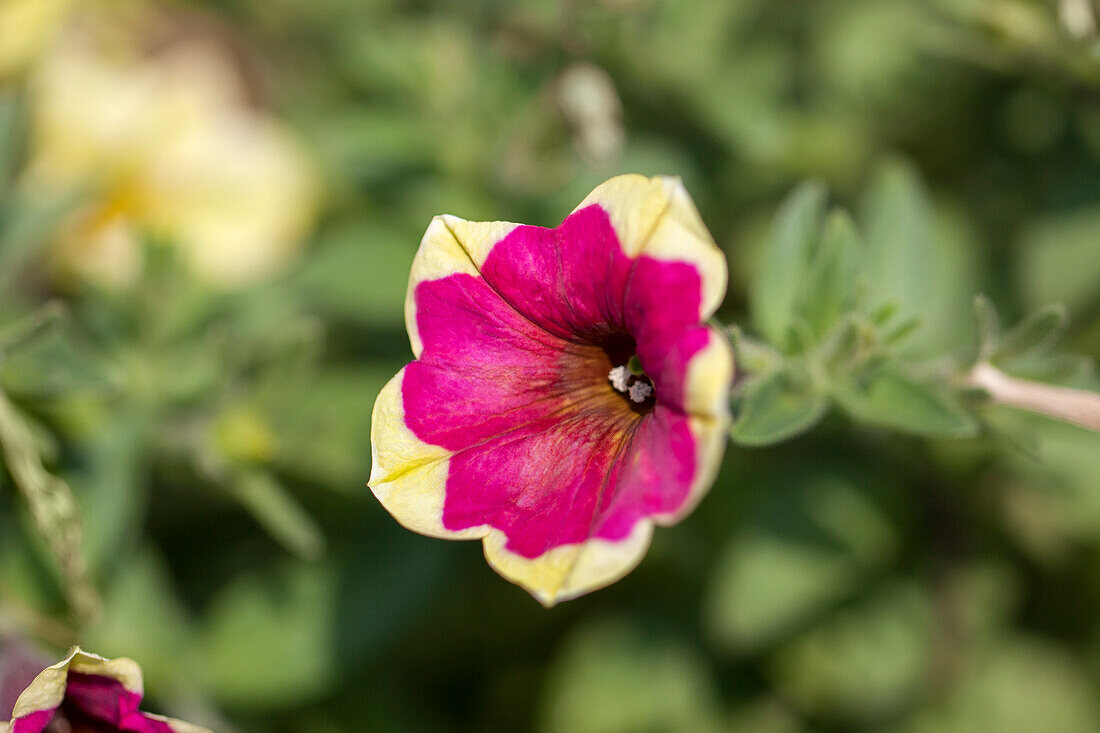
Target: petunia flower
155,124
84,693
566,394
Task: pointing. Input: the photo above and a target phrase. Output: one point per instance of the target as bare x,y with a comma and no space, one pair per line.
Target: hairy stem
1076,406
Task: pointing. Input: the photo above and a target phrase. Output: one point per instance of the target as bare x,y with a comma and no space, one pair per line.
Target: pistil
631,382
640,391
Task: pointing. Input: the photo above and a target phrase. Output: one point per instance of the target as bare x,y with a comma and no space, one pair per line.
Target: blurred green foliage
217,443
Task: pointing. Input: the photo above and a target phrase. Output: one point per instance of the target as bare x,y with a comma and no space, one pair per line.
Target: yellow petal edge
656,216
449,246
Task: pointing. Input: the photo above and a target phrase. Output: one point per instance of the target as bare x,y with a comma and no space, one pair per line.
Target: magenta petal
543,485
561,483
104,699
576,282
656,473
35,722
484,368
570,281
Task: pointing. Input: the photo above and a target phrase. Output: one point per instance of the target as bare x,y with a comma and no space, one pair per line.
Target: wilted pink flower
566,394
85,692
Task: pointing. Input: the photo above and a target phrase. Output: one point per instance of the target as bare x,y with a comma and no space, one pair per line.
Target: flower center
604,375
631,380
71,721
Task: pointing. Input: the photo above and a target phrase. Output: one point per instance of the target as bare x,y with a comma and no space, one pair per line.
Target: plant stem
52,506
1077,406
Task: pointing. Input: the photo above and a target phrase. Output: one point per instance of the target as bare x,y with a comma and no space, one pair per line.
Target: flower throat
631,381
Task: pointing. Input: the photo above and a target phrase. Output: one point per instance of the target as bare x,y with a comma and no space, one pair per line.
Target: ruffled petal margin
449,246
707,406
409,476
656,217
569,571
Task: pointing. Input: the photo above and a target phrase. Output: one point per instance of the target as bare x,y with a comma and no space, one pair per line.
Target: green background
851,579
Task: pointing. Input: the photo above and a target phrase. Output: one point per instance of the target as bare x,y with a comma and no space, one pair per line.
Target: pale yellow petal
449,246
439,255
656,217
46,691
709,378
635,204
408,476
126,671
569,571
477,238
48,688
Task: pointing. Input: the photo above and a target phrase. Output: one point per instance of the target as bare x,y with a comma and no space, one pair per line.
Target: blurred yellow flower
26,26
166,143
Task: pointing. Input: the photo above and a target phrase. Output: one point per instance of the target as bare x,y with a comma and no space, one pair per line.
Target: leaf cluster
844,320
836,311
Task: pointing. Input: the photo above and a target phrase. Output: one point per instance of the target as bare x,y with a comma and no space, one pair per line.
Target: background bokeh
225,198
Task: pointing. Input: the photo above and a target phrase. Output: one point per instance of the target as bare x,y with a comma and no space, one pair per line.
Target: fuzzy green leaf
787,259
775,408
896,401
1033,334
831,282
988,327
897,220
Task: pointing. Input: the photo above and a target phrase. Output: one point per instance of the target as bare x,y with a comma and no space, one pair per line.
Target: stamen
640,391
619,377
